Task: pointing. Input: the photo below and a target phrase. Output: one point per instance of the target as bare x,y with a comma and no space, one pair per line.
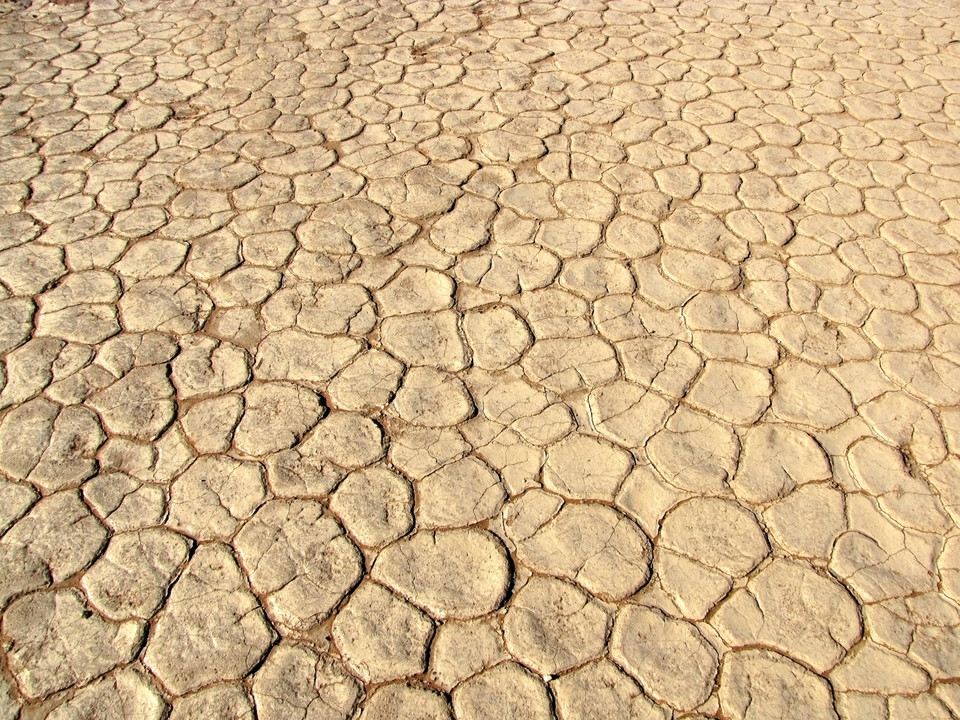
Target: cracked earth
479,360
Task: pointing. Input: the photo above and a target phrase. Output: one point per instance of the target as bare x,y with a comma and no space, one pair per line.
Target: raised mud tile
553,626
554,423
717,533
906,422
699,272
872,668
512,270
296,682
204,367
462,649
15,500
368,383
291,473
125,503
628,414
211,628
416,290
419,451
646,497
501,146
600,688
30,269
350,440
592,278
583,468
86,323
757,684
933,379
647,644
275,417
430,339
775,460
590,201
210,423
810,396
462,493
121,354
57,642
555,313
565,365
694,452
505,692
949,565
790,607
632,237
128,693
697,563
814,339
61,533
533,200
213,255
405,701
497,337
949,697
218,702
29,369
139,405
16,321
736,393
69,458
294,355
212,498
375,504
24,434
449,573
329,310
170,304
693,587
132,577
934,649
505,399
896,332
432,398
216,171
590,544
878,559
518,462
808,521
917,706
300,560
570,237
381,636
466,227
880,471
152,259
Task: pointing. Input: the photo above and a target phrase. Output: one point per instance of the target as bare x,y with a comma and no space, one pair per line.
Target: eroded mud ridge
480,360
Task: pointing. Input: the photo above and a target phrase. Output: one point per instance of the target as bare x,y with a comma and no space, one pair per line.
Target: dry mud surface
479,360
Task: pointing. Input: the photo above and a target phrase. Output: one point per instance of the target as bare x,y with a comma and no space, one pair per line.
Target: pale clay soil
480,360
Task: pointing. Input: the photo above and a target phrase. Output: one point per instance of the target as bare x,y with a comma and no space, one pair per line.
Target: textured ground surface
480,360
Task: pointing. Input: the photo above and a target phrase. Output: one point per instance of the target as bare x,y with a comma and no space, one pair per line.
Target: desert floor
480,360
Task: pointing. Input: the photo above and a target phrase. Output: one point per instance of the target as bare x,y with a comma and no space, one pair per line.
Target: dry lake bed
486,360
